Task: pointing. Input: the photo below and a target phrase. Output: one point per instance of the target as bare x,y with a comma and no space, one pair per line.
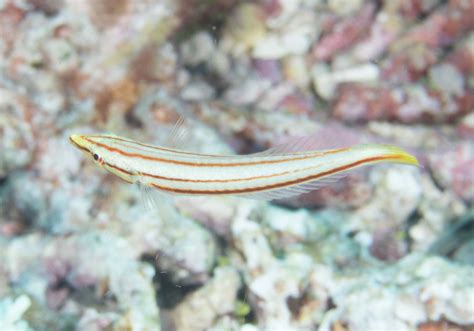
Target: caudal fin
392,154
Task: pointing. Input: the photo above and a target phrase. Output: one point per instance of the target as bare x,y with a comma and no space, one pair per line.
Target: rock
245,28
213,300
275,287
412,103
344,34
345,8
408,65
293,38
74,259
183,249
436,210
198,91
215,214
247,91
441,28
250,241
11,312
16,136
397,195
61,55
466,126
296,70
447,78
454,167
454,307
413,304
268,69
326,82
198,49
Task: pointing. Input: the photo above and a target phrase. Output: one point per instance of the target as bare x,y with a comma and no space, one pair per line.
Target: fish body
268,175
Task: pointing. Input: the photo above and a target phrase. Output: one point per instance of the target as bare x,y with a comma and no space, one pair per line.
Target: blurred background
387,248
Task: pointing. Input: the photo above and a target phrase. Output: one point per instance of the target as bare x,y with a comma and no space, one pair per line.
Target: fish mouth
79,142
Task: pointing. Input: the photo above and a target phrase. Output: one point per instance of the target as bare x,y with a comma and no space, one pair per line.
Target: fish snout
79,142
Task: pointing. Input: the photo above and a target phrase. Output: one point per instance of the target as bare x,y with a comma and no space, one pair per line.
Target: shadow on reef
168,294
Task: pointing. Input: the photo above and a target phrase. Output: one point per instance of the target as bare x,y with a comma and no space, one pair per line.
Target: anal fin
296,190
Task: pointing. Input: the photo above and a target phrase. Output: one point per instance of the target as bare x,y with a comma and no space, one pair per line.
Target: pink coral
344,34
453,166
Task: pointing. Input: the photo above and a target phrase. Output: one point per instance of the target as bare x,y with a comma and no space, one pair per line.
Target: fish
281,172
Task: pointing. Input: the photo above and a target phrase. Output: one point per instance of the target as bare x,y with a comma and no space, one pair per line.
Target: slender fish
274,174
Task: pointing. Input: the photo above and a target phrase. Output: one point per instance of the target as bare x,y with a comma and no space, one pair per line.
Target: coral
345,33
11,312
213,300
82,261
453,167
412,305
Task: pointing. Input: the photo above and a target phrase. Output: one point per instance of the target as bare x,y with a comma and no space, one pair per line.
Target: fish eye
98,158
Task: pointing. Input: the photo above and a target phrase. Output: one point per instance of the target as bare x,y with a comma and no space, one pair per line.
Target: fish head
88,144
102,149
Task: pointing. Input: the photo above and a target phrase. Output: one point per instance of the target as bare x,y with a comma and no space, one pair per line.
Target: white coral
11,313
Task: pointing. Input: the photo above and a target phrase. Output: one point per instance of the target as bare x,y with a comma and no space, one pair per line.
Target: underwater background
389,247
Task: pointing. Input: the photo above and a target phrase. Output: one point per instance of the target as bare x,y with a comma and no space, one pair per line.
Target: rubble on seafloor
386,248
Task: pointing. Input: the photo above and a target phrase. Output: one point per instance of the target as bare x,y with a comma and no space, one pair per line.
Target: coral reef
385,248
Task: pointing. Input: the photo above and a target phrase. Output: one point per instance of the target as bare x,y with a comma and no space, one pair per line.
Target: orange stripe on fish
269,175
203,163
275,186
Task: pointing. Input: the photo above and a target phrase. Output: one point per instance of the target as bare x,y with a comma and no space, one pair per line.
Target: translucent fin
300,144
178,137
331,136
150,200
158,201
293,191
179,134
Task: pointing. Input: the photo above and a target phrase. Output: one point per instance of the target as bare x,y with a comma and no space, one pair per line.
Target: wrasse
277,173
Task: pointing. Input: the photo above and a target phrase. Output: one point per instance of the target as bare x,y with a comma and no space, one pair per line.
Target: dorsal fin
320,141
179,135
294,145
